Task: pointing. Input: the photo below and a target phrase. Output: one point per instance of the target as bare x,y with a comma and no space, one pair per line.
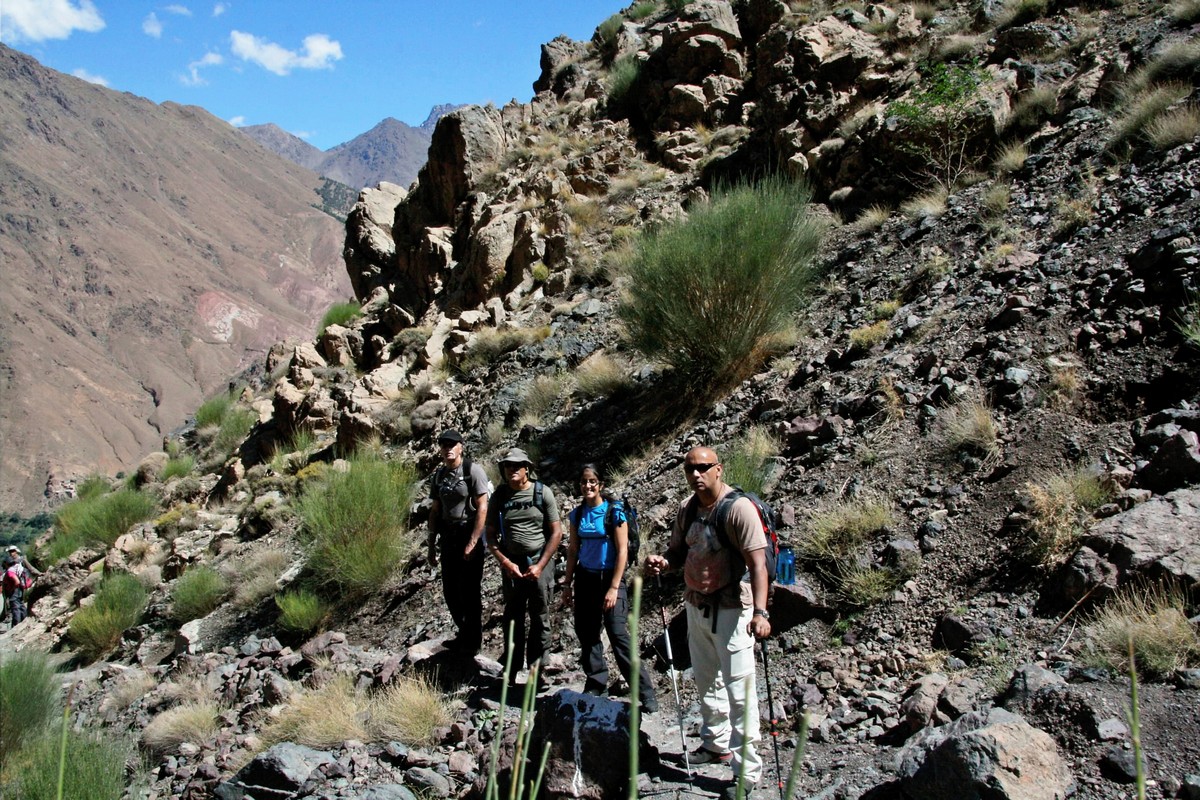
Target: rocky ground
1056,310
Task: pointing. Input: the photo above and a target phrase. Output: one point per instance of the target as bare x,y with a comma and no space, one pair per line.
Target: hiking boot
702,755
730,792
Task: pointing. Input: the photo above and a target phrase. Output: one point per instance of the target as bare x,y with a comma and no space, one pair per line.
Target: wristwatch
762,612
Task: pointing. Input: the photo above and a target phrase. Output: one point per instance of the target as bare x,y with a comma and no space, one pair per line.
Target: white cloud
237,121
319,52
219,9
38,20
193,76
182,11
83,74
151,26
302,134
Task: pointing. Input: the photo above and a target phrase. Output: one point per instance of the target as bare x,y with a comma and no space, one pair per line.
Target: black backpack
770,526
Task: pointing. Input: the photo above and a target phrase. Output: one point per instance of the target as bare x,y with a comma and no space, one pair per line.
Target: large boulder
369,248
984,755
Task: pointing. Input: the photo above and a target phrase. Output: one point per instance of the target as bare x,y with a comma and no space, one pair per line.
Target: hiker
459,490
724,613
15,553
16,581
597,553
523,533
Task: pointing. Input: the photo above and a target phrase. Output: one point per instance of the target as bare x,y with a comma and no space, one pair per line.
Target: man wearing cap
459,490
523,533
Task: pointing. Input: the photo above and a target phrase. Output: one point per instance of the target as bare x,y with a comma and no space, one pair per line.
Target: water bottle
785,567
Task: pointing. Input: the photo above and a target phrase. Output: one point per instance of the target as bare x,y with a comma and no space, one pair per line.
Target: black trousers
462,583
524,597
590,588
16,607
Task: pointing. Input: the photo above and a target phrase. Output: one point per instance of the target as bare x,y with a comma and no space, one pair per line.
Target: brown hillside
149,252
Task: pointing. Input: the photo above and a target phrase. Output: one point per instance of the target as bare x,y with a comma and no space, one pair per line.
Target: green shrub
865,586
95,767
642,10
101,518
339,314
197,592
866,337
29,699
622,77
212,411
235,427
608,30
838,533
301,611
356,522
118,605
748,460
92,486
939,119
707,295
178,468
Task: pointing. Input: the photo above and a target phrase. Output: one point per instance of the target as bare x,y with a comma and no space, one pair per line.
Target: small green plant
865,586
740,265
235,427
970,426
301,611
92,486
339,314
609,28
212,411
117,606
1154,617
357,522
29,701
748,459
178,467
885,309
995,198
864,338
1188,322
196,593
103,518
540,272
1061,505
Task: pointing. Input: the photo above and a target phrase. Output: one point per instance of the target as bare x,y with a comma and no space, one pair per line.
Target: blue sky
325,70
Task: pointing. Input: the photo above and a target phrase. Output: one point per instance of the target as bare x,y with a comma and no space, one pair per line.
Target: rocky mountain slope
996,371
149,253
392,151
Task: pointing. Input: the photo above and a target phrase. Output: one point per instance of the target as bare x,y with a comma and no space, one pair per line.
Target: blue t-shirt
596,550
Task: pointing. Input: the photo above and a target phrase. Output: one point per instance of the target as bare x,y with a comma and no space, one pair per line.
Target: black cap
450,436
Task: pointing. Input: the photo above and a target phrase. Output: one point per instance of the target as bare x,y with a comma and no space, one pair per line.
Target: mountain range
391,151
150,251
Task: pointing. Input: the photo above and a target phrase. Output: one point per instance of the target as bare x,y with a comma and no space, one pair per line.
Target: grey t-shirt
524,528
456,493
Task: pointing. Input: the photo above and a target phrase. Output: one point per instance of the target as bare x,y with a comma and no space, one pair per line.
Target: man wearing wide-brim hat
523,533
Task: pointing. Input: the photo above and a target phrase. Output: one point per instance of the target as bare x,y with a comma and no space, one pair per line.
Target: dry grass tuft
970,426
866,337
872,218
1011,158
1177,126
927,204
322,717
410,711
257,576
1154,618
837,532
996,198
1142,107
1061,505
194,722
601,375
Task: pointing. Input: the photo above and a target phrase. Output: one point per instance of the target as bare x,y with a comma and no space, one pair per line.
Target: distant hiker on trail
597,553
16,581
724,613
523,533
459,490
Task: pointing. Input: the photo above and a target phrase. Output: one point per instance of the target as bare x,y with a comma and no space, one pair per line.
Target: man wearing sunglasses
725,613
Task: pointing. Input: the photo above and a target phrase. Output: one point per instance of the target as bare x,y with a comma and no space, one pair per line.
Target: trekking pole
687,762
774,721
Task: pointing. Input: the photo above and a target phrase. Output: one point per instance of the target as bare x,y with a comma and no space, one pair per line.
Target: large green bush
97,518
212,411
118,605
94,767
709,296
357,522
28,699
339,314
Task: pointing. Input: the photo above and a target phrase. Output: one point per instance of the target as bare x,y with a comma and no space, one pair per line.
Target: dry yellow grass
194,722
410,711
321,717
1154,618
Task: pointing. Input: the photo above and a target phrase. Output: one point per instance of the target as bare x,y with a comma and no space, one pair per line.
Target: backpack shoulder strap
721,514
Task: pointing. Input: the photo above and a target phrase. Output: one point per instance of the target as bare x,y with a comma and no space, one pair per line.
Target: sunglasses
701,468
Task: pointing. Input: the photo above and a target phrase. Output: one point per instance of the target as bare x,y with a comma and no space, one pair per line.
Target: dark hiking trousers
590,588
462,583
16,607
524,597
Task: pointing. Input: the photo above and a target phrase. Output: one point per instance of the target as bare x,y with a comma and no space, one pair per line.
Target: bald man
726,612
